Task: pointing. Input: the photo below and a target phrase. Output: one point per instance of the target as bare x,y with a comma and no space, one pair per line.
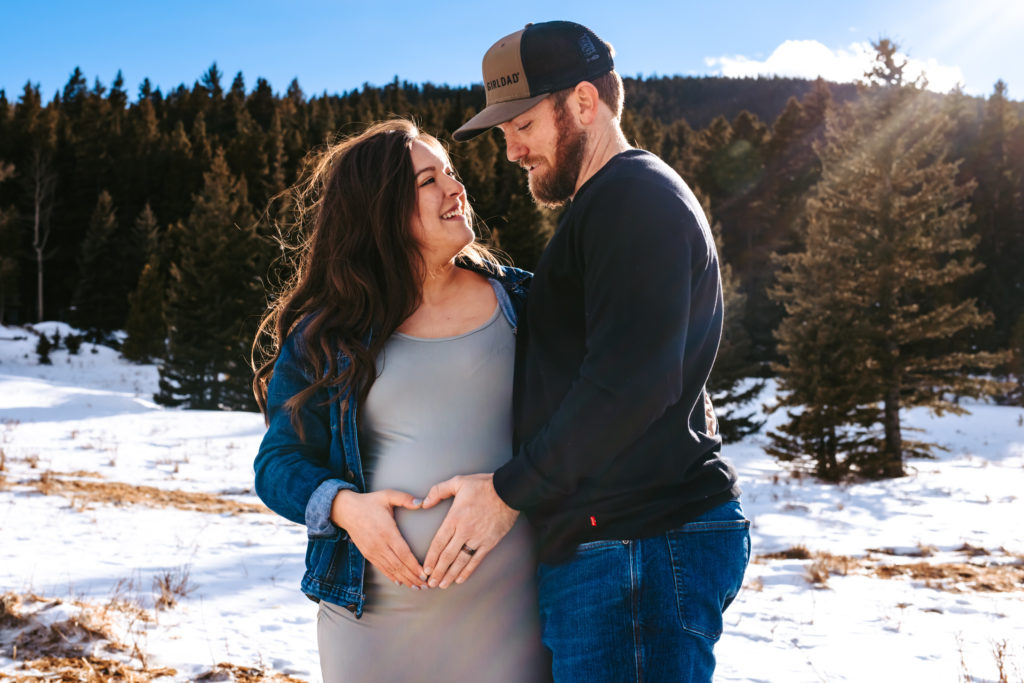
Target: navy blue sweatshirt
622,324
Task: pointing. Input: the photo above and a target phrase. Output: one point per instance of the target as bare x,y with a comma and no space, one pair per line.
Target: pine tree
208,94
776,207
73,96
73,342
1016,363
145,327
117,101
245,152
738,169
677,148
234,106
524,230
870,326
43,348
37,130
275,177
100,303
178,161
733,384
649,135
84,158
202,151
214,297
295,121
710,150
323,124
1000,215
793,167
145,238
5,122
10,246
821,382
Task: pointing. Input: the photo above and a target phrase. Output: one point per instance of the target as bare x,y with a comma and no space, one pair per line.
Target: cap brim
491,116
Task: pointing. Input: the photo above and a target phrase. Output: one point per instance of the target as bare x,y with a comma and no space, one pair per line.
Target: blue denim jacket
299,479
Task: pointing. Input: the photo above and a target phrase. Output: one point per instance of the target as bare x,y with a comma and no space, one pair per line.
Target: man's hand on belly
476,522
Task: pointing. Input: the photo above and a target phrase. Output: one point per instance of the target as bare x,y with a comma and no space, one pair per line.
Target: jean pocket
593,546
708,561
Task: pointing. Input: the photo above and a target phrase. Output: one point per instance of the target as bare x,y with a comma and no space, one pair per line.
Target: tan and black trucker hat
523,68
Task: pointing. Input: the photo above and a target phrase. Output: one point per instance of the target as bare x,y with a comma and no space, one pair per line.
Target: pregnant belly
419,526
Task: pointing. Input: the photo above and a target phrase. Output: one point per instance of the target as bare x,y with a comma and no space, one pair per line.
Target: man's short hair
609,90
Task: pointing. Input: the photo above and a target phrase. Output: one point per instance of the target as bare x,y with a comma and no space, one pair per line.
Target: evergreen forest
871,235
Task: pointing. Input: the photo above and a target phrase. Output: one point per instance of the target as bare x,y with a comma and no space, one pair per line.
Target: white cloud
810,59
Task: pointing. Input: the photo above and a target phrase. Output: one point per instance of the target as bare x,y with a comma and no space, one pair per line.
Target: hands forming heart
477,520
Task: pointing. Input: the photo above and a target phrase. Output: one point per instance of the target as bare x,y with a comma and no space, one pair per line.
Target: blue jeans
648,609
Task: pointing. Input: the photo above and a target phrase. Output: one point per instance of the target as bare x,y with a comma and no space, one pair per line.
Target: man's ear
586,100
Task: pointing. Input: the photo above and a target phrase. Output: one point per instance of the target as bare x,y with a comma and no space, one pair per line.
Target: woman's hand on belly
369,519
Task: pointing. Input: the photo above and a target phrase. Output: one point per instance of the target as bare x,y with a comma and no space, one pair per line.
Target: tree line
871,236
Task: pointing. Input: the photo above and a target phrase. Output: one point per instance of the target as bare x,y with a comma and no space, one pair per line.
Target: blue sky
338,46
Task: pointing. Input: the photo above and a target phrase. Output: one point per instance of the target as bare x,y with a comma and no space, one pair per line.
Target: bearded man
642,543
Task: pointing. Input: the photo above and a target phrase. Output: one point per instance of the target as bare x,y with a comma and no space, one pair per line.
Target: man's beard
556,187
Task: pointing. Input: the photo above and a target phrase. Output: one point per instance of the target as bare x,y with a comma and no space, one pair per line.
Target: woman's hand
369,519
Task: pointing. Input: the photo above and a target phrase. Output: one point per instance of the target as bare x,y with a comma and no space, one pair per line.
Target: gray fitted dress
440,407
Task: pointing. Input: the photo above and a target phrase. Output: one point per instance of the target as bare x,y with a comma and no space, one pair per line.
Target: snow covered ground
72,431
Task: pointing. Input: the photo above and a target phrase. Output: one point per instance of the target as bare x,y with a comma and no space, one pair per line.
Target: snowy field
131,532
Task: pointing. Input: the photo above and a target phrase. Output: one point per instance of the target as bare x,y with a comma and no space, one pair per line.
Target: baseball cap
524,67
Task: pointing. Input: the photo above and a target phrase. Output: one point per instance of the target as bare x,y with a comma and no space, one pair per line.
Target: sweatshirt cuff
318,510
519,484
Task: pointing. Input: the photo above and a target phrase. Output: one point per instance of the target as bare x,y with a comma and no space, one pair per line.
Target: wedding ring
469,551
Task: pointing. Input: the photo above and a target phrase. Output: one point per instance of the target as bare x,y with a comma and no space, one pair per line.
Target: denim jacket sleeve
292,475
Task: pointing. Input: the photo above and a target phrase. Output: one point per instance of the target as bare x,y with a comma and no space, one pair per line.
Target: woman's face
441,222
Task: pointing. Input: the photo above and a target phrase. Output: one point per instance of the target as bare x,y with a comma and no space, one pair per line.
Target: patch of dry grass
817,574
957,577
84,648
124,600
98,670
170,586
796,552
88,474
87,670
994,577
245,674
118,493
823,566
920,551
24,635
10,612
973,550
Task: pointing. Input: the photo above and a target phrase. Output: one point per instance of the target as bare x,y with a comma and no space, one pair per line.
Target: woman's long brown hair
359,268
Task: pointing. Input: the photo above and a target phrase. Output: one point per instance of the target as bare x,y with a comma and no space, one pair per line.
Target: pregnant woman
388,368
